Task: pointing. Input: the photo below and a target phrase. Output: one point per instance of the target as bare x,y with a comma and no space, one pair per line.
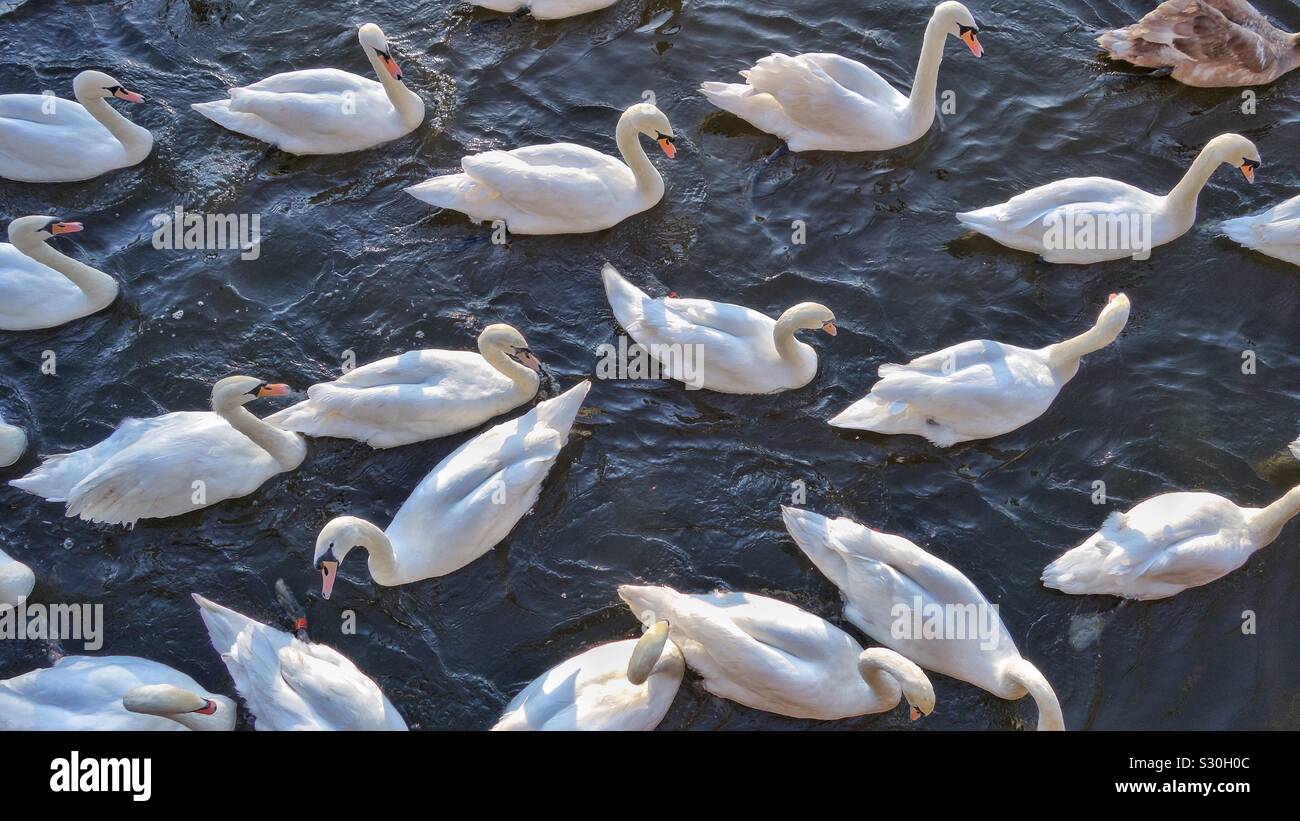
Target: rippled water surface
660,484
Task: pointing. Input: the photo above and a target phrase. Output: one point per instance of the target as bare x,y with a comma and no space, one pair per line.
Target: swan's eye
256,390
1251,164
964,30
664,138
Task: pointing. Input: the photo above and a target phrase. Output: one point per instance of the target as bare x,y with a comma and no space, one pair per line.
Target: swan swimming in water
16,581
882,576
324,110
42,288
420,395
174,463
47,139
111,693
825,102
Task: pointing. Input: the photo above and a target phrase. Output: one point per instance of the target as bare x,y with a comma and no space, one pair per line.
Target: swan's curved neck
787,345
381,556
100,288
1180,202
409,106
136,140
879,672
1049,709
523,377
920,103
649,185
1063,357
287,449
1268,522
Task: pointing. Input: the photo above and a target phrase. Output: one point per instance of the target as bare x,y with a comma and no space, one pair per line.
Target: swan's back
291,685
591,692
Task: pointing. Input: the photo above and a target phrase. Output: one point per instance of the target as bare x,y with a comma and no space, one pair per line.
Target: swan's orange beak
971,39
915,713
329,571
666,143
209,707
530,361
1248,169
391,65
273,390
129,96
65,228
1111,298
829,327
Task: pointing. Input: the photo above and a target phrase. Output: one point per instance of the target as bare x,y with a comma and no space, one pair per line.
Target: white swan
324,110
42,288
772,656
1169,543
16,581
600,690
559,188
174,463
886,579
978,389
1082,220
1275,232
47,139
111,693
13,443
467,504
714,345
545,9
420,395
825,102
290,684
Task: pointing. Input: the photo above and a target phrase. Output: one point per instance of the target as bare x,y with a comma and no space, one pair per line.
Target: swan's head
911,679
809,316
1114,316
335,541
653,123
502,337
957,20
240,390
89,85
647,652
25,232
375,43
170,702
1235,150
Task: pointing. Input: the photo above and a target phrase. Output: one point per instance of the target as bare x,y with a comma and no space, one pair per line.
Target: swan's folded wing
1036,209
856,77
311,81
295,112
553,181
1280,232
947,360
1195,561
736,320
807,94
779,626
1206,31
340,695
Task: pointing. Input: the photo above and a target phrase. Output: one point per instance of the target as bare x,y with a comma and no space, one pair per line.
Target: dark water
659,484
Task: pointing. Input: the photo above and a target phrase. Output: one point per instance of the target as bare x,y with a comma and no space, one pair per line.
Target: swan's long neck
1267,522
879,672
1049,709
382,558
99,288
1063,357
136,140
1180,202
649,185
787,345
920,104
524,378
409,106
287,449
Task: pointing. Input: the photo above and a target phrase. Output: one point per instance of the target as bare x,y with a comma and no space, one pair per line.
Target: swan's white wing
57,475
29,289
1162,531
735,320
340,695
808,95
987,378
563,179
857,77
1034,210
50,132
155,476
324,102
779,625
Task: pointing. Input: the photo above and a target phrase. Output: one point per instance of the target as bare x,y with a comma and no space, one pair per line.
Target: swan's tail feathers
1239,230
224,625
220,112
447,191
983,220
869,413
811,532
726,96
55,477
559,413
1077,571
626,299
102,499
1116,42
